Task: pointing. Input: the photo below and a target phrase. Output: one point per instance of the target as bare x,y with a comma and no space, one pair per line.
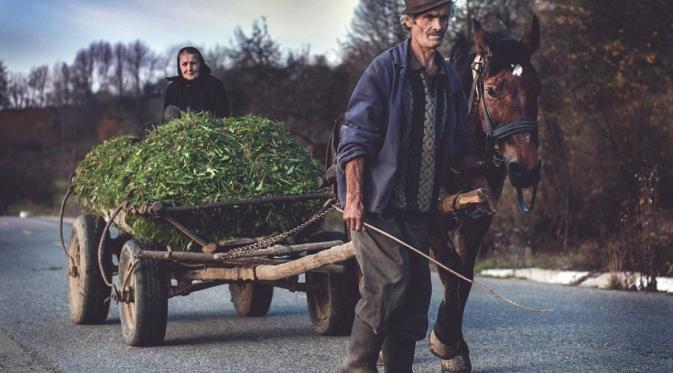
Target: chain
247,250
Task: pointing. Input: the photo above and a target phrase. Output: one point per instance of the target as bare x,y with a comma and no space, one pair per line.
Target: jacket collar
401,52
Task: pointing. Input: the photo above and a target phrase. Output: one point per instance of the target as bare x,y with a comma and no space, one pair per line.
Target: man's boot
363,349
398,354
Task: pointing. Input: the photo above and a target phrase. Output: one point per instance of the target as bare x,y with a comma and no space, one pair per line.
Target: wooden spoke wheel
144,307
251,299
331,304
88,295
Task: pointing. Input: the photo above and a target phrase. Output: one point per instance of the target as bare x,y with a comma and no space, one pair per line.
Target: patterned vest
415,187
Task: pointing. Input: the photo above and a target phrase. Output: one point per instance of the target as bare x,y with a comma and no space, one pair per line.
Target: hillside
40,147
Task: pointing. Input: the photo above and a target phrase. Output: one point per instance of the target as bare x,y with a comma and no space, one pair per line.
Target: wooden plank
475,198
308,263
322,261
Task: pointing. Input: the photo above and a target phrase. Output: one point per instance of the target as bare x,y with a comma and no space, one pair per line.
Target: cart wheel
144,310
332,305
251,299
88,295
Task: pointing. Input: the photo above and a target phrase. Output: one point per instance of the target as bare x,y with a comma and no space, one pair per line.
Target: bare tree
61,92
82,75
37,83
103,58
216,57
140,63
4,83
17,91
119,53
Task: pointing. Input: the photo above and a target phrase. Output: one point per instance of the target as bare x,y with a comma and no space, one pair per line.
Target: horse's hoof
457,364
455,358
441,350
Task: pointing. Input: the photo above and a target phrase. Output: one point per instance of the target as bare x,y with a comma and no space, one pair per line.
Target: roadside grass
526,259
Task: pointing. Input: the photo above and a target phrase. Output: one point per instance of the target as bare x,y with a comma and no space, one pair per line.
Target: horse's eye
490,91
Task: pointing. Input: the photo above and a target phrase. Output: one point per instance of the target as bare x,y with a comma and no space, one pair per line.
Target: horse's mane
461,57
505,51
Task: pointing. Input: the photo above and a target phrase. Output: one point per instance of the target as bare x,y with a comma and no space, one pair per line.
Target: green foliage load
199,159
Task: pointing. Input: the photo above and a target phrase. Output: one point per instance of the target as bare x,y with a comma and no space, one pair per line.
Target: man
404,126
194,88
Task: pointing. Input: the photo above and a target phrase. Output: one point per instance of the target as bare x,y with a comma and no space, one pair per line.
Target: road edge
601,280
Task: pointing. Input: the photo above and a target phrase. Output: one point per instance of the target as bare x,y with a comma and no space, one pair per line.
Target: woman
194,88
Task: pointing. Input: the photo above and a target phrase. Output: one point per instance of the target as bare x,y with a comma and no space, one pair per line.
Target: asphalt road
587,331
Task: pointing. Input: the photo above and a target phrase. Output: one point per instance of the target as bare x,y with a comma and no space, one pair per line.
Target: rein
499,131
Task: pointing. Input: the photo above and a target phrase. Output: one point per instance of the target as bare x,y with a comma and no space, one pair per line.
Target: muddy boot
363,349
455,358
398,354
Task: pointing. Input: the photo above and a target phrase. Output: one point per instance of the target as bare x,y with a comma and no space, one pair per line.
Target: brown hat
419,6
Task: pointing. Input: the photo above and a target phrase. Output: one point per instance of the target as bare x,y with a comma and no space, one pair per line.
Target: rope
116,295
65,199
129,273
486,289
249,249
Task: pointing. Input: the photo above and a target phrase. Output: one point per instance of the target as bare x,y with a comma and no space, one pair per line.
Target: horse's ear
531,39
480,38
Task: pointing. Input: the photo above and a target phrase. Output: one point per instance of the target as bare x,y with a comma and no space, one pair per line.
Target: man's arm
354,208
359,139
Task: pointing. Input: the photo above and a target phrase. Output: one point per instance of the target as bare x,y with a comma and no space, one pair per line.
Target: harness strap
516,126
477,67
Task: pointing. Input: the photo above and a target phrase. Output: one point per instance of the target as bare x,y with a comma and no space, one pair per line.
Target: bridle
500,131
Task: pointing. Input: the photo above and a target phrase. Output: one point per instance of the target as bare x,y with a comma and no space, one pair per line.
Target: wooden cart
147,274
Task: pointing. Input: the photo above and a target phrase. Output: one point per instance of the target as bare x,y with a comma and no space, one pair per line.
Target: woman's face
189,66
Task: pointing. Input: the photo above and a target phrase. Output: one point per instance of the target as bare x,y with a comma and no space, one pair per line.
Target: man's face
428,29
189,66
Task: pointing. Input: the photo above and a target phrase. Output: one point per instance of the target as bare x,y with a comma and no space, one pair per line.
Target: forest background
606,197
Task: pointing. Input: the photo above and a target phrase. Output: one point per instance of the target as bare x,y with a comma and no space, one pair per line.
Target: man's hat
420,6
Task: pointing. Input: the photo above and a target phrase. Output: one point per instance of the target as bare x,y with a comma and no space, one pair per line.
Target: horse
503,87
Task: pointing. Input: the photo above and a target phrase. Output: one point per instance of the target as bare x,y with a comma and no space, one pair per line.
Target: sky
39,32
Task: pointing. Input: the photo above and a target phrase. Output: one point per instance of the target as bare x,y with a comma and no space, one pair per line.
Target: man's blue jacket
378,110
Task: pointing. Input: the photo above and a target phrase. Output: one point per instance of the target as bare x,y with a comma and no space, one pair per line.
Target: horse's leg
447,328
468,240
446,339
447,335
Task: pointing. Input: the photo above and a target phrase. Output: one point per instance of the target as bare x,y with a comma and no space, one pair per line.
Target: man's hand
354,210
479,182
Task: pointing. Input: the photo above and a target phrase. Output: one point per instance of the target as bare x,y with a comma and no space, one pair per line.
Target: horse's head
507,86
